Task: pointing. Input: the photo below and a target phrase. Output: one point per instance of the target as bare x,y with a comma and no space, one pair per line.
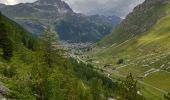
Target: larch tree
50,41
128,90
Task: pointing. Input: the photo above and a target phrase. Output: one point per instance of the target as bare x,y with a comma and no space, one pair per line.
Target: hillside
57,14
140,45
29,72
139,21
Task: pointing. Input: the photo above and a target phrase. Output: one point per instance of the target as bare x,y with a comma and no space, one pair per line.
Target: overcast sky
107,7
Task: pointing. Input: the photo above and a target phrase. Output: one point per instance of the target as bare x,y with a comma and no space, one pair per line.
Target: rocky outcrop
1,5
3,90
52,6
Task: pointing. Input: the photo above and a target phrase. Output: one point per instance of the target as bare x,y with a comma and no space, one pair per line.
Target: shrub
9,71
120,61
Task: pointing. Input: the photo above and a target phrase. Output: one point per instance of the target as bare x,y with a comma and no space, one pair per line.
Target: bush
120,61
9,71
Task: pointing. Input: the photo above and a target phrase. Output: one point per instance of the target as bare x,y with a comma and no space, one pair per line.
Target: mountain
2,5
139,21
139,45
57,14
80,28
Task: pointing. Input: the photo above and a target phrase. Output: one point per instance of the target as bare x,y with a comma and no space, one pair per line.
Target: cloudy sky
108,7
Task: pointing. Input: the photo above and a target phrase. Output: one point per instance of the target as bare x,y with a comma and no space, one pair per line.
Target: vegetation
5,42
35,68
40,72
167,96
128,90
146,55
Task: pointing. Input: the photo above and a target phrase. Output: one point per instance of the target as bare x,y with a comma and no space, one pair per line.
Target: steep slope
139,21
34,16
141,47
16,33
27,76
80,28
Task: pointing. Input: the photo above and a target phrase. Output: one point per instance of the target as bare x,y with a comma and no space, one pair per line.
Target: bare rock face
52,5
1,5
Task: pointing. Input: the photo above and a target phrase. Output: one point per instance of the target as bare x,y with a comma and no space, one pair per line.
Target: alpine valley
106,58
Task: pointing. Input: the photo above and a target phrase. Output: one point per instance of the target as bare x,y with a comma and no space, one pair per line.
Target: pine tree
50,46
128,89
39,75
5,42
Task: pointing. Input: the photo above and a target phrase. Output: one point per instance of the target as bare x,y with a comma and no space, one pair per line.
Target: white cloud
107,7
13,2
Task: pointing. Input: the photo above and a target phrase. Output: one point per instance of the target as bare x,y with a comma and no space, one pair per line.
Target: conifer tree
51,50
39,75
5,42
128,89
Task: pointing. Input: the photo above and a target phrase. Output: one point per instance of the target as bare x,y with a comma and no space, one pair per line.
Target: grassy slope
148,53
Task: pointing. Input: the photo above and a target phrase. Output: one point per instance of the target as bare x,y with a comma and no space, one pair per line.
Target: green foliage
120,61
11,34
136,23
96,89
8,71
167,96
88,73
128,90
5,42
50,44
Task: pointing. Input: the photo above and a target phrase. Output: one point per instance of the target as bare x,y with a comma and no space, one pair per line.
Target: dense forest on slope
37,70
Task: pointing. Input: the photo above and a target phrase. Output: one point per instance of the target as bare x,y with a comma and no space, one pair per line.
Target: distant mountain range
57,14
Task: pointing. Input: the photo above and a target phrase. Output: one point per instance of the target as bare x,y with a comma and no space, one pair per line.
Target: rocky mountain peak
47,2
53,5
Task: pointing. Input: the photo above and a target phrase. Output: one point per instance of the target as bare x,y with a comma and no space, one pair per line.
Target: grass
142,53
159,79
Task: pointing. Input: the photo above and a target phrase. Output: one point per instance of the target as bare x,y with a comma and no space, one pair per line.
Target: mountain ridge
34,16
139,45
139,21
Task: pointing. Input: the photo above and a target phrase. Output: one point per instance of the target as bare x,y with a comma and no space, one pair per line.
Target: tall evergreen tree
5,42
128,89
39,75
51,50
